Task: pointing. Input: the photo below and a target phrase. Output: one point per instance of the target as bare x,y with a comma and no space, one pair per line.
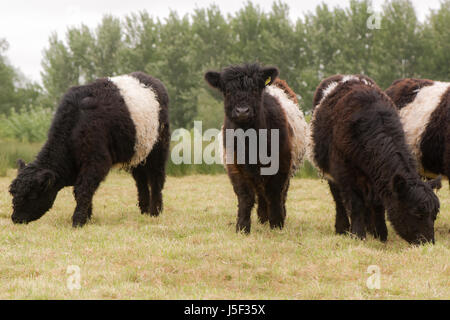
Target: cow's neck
56,156
391,164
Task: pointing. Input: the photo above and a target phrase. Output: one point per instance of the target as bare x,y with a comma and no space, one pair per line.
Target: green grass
192,251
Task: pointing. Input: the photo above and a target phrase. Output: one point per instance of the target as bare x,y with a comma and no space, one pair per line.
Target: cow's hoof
156,209
263,220
382,237
356,236
277,225
244,229
342,228
79,222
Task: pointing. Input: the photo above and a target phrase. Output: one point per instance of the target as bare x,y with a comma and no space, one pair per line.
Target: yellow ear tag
268,81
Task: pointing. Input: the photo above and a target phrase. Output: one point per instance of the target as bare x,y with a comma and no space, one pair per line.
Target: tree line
179,49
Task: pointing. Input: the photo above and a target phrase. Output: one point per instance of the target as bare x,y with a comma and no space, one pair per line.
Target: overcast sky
27,24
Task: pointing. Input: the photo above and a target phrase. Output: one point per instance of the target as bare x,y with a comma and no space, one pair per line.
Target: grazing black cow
256,100
120,121
424,108
359,144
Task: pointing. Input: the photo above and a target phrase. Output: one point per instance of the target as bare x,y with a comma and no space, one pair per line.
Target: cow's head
414,209
242,87
33,191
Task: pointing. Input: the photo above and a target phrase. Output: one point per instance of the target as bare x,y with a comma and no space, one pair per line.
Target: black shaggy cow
120,121
424,108
359,145
256,100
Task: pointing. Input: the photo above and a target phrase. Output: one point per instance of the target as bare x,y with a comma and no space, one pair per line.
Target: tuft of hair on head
21,164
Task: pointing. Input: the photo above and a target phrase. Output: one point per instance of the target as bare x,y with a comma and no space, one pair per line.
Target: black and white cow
119,121
358,143
424,108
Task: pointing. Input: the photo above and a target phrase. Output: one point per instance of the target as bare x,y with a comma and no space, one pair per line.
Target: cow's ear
400,186
436,184
46,179
213,79
21,164
269,74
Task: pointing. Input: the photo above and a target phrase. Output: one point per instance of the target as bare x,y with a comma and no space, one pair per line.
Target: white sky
27,24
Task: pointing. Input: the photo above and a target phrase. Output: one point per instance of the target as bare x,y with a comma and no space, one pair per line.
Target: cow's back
122,114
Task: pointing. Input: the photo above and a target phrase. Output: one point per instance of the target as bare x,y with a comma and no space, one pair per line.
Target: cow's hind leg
89,178
140,176
284,197
263,214
156,173
342,224
90,212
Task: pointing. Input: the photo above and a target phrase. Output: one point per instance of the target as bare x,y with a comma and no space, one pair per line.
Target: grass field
192,251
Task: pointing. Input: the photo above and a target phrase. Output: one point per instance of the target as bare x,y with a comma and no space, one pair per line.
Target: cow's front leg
342,224
356,209
87,183
276,211
379,221
246,200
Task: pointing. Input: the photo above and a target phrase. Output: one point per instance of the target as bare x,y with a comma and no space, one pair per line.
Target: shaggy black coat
434,142
91,132
359,144
243,87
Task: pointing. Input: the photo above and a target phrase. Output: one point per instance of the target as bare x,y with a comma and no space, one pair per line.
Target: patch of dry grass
192,251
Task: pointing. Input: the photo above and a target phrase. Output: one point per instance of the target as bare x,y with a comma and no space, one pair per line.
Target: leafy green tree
15,90
106,50
212,41
142,42
7,78
84,56
247,27
356,50
178,50
319,36
397,46
435,61
59,69
177,70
